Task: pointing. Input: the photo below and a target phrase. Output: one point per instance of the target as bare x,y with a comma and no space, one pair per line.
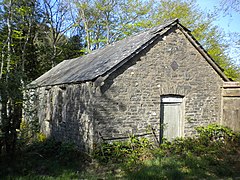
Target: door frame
171,99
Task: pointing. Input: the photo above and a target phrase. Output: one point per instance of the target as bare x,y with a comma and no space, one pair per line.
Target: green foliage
211,37
73,48
105,21
124,151
48,159
212,139
49,148
35,36
26,135
212,154
26,53
208,156
216,133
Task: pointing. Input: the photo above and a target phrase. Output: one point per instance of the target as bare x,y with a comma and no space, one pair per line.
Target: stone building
160,83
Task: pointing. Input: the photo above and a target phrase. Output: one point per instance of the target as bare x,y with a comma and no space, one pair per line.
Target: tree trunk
9,26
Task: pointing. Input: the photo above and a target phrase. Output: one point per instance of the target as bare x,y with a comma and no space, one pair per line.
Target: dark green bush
216,133
123,151
44,158
211,154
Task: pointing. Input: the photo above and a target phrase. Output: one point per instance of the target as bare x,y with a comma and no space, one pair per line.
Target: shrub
123,151
210,155
216,133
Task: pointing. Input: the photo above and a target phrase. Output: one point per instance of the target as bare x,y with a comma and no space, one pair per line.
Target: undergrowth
213,154
47,159
127,152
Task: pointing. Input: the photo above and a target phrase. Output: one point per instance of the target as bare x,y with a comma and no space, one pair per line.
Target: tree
36,35
228,5
27,36
58,21
94,20
73,48
17,29
104,21
201,25
229,8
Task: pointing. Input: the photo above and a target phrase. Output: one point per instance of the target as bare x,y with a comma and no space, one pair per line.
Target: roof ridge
166,23
105,60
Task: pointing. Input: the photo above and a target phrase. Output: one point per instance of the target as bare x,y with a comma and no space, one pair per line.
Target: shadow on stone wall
118,112
82,113
70,115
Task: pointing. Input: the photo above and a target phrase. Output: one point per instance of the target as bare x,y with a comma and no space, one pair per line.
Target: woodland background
35,35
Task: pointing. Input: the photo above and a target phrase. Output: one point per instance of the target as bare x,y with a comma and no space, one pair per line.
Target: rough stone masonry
127,99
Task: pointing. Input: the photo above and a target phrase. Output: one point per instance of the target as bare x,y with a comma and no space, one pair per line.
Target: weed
208,156
128,152
213,154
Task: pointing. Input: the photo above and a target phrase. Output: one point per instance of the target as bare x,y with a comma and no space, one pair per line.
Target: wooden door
171,117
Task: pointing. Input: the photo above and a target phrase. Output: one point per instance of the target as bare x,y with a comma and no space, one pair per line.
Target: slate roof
101,61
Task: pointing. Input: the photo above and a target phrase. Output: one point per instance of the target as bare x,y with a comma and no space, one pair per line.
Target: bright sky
228,23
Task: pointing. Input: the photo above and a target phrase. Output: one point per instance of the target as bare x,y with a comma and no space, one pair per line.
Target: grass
205,157
215,154
44,160
191,167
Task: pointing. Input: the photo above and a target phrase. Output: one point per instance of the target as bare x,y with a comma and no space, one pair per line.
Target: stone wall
231,105
65,113
128,101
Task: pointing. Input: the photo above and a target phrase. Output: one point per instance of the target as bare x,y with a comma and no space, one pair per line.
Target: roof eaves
154,34
157,34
